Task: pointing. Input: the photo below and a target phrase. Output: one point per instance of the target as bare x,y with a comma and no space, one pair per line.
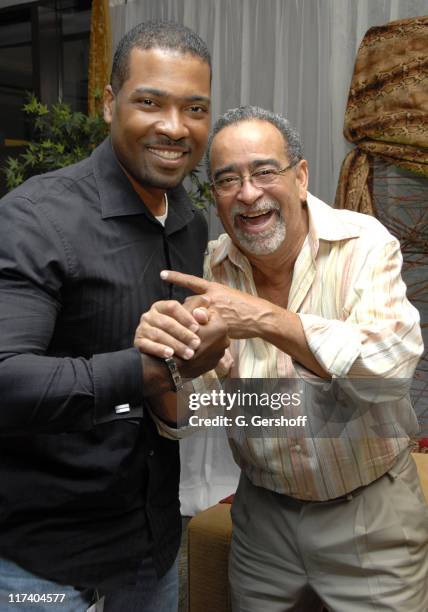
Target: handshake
198,332
194,333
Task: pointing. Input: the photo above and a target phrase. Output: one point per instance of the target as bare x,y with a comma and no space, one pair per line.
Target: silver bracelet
175,374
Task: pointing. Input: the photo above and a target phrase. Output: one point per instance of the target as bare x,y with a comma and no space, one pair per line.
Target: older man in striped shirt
313,294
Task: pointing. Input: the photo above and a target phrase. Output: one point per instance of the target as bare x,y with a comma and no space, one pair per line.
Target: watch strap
174,372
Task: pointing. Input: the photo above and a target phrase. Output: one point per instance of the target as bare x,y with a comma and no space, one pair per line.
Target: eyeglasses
232,183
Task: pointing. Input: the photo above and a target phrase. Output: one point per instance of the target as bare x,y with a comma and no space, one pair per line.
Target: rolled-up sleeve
206,383
378,334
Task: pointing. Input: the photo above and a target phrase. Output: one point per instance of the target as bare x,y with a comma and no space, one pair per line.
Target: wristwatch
175,374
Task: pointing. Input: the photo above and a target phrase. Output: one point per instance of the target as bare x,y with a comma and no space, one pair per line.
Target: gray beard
266,242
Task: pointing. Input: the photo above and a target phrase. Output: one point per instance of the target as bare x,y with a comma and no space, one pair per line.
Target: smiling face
259,220
159,119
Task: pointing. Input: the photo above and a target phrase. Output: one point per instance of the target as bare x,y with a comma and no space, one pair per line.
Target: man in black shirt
88,488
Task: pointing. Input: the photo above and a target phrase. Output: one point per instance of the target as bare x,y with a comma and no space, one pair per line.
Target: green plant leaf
60,138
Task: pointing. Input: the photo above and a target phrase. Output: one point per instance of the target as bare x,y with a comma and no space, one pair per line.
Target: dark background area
44,49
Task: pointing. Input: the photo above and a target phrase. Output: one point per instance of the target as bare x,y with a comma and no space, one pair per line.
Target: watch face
175,374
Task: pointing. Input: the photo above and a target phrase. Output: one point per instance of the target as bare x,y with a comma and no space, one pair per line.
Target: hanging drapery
387,110
99,54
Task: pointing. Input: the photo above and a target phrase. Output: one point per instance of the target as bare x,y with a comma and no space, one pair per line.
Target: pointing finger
194,283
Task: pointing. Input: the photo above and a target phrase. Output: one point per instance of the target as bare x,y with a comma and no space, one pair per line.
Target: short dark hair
293,145
155,34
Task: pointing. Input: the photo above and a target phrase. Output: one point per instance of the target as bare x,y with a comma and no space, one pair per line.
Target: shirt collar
118,198
224,248
327,224
324,224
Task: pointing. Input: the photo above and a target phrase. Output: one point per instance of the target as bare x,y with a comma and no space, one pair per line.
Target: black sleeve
39,392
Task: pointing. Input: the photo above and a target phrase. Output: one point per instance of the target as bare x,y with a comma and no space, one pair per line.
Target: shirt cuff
118,381
168,432
202,384
334,344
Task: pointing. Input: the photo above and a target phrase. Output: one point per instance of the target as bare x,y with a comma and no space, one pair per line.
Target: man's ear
215,201
109,101
302,176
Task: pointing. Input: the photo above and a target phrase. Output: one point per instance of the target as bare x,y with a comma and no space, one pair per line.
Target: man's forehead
167,72
252,139
139,57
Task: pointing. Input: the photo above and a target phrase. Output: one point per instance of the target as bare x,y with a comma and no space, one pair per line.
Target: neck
152,197
273,269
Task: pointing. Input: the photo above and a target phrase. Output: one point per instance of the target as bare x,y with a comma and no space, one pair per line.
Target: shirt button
151,453
297,448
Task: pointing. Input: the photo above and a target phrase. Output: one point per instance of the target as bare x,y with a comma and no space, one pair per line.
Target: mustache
164,141
261,207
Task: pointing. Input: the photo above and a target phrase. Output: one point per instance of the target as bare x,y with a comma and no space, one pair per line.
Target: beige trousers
368,553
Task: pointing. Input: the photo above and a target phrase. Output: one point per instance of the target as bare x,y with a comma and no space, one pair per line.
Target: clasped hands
198,331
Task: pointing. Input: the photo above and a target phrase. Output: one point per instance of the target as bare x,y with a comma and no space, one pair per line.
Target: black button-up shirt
85,493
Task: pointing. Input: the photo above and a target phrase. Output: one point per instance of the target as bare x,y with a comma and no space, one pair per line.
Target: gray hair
293,145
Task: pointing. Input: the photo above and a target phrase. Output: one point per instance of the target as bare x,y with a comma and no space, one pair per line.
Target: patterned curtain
99,54
387,110
387,120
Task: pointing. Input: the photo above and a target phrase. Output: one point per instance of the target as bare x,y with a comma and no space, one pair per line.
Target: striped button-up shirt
348,292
